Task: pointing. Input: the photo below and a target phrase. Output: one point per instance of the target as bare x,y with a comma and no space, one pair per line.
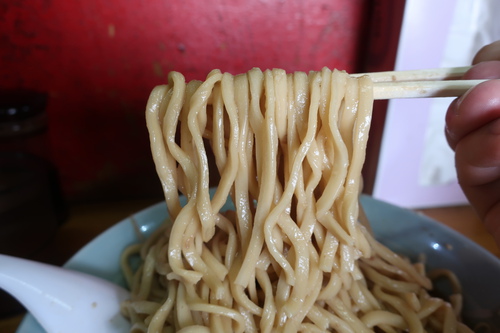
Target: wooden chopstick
434,74
422,89
437,82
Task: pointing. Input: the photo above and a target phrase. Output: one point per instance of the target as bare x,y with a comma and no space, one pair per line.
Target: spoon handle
63,300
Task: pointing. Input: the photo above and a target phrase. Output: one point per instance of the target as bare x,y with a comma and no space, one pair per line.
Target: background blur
97,61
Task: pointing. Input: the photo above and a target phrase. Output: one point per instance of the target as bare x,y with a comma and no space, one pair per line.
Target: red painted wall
99,59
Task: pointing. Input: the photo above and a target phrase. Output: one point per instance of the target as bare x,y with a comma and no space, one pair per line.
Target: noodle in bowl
416,235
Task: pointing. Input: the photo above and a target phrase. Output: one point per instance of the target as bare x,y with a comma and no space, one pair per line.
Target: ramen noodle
291,254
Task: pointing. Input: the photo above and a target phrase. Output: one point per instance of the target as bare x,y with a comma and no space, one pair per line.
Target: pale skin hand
473,132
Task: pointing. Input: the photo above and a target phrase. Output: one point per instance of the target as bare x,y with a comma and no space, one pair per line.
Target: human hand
473,132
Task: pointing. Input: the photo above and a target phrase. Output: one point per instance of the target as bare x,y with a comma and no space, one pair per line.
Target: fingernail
450,136
453,107
460,100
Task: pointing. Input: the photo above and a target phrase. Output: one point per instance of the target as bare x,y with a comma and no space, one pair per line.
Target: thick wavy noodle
291,256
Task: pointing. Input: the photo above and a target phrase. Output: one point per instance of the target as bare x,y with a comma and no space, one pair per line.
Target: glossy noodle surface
288,149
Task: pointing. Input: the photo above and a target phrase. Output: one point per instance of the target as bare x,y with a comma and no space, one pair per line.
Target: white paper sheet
416,166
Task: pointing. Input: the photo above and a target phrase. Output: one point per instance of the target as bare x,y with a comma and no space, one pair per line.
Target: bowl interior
403,231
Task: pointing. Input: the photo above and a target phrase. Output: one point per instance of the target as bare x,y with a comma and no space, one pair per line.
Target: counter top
88,220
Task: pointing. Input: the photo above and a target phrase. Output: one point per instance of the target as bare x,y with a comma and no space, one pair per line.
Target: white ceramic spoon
63,300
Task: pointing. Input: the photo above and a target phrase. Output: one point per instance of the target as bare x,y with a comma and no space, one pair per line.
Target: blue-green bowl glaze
402,230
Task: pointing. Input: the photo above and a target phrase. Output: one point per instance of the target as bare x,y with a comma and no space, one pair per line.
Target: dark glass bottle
31,204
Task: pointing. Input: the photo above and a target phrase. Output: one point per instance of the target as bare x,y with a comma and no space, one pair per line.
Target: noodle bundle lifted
291,256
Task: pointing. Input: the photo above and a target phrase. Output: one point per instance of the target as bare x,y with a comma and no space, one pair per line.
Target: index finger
487,53
476,108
